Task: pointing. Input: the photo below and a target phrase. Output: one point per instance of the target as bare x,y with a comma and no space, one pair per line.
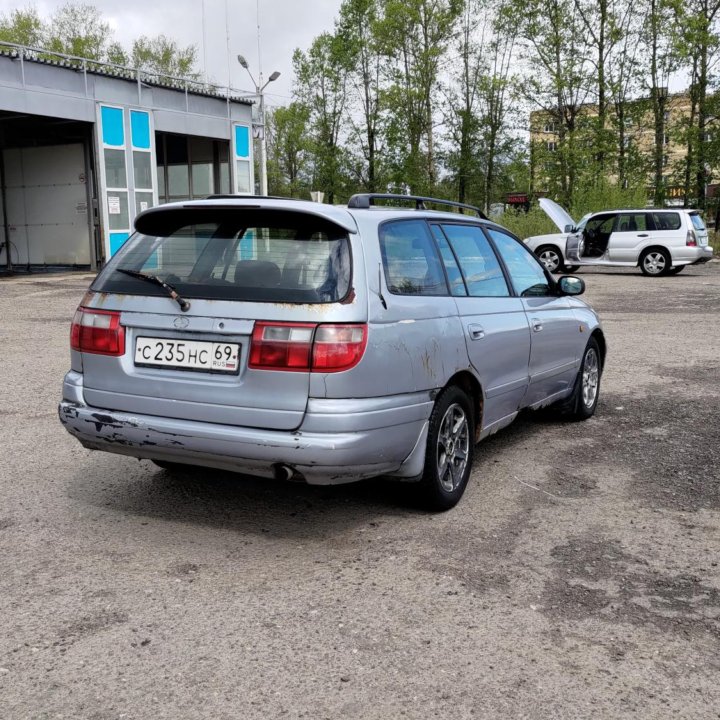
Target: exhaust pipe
287,473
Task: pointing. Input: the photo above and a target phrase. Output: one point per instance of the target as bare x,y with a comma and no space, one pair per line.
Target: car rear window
697,222
248,255
666,221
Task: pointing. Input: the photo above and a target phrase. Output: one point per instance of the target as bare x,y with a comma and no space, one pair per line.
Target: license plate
188,355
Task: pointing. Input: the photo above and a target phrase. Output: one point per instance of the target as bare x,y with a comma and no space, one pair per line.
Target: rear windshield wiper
171,291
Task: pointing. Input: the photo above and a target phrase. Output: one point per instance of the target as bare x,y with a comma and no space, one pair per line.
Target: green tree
80,30
322,80
697,44
287,145
358,25
657,47
558,85
415,35
22,27
462,99
623,79
162,55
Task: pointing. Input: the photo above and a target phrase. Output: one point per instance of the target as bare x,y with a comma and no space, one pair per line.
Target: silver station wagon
296,340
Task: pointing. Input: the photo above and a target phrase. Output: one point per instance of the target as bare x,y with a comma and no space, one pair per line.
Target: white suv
659,241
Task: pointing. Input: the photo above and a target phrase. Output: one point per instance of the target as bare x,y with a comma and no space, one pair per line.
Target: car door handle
643,235
476,331
536,325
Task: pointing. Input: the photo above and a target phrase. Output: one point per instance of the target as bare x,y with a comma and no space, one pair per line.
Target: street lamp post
259,89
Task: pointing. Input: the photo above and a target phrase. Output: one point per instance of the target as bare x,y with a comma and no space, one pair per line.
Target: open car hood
557,214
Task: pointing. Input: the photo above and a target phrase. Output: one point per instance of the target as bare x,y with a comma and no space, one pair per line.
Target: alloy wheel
590,378
453,447
654,263
550,259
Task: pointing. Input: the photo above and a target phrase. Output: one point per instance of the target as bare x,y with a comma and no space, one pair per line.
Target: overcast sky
284,26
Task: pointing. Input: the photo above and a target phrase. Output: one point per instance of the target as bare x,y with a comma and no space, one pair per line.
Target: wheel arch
599,336
550,246
649,248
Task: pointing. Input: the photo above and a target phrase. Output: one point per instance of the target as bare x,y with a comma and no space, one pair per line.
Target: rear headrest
257,273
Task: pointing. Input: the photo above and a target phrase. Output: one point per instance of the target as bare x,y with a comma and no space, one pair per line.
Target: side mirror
570,285
569,229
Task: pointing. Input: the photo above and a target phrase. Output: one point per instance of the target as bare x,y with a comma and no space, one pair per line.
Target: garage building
85,146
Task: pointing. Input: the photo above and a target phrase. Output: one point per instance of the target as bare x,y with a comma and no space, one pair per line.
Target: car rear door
287,273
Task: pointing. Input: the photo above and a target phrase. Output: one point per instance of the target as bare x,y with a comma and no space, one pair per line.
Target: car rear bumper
692,255
705,253
382,437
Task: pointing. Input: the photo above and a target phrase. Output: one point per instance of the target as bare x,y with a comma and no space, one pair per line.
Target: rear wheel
449,453
583,401
677,269
655,262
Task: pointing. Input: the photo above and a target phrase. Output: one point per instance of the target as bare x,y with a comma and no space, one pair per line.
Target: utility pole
259,91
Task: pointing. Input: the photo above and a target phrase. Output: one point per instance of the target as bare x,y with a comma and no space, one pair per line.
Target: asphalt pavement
578,577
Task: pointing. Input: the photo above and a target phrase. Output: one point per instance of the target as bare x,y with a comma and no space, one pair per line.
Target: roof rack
363,201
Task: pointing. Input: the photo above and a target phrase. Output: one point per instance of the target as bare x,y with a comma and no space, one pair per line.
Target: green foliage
22,27
163,55
604,196
527,224
80,30
322,79
288,149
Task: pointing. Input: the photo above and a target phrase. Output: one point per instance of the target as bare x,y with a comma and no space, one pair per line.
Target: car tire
449,452
677,269
582,402
550,257
655,262
571,268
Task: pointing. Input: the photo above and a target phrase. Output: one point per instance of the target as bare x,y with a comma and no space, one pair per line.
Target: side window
412,266
526,273
602,224
457,284
666,221
631,222
480,267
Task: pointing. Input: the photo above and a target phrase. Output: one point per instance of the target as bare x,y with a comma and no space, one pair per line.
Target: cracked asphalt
578,578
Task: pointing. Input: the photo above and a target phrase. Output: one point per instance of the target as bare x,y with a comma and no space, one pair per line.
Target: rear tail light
306,347
691,239
97,331
338,347
281,346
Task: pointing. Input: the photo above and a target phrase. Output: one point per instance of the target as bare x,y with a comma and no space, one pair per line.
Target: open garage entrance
48,207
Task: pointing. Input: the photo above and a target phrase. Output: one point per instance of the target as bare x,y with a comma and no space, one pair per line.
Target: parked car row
299,340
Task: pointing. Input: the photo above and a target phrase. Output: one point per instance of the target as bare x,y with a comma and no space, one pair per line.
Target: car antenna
380,295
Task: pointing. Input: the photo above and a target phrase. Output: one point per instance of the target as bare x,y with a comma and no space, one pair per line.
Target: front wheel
655,262
550,257
583,401
449,453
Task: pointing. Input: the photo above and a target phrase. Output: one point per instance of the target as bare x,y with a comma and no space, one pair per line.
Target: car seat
257,273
